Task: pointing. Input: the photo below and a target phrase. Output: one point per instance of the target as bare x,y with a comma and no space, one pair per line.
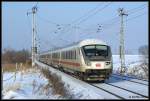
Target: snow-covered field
25,86
30,84
129,60
132,63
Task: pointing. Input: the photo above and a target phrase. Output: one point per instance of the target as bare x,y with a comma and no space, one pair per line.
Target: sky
61,23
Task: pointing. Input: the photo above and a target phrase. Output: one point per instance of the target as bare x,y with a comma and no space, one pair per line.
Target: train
89,59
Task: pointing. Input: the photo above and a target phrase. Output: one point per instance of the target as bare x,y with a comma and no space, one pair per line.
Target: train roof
91,41
80,44
85,42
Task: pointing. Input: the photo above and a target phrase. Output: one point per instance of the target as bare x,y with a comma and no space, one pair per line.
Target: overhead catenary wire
89,16
105,25
67,27
131,11
58,26
115,22
136,8
129,19
136,16
47,21
105,5
86,14
94,13
47,43
78,21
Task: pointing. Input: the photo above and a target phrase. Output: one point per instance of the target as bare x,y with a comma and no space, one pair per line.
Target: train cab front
98,61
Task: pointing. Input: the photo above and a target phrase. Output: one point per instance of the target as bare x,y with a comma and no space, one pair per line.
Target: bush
12,56
55,82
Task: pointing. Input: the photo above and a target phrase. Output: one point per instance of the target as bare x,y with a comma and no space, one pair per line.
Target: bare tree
8,55
12,56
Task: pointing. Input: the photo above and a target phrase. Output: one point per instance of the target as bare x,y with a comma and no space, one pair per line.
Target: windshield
97,51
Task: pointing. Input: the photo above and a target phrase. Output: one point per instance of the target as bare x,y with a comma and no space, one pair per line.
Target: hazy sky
61,23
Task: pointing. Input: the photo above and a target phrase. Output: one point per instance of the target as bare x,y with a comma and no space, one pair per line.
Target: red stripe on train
69,63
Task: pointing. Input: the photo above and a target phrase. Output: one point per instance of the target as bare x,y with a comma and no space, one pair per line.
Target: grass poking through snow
55,82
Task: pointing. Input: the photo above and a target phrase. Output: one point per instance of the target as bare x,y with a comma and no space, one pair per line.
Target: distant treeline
13,56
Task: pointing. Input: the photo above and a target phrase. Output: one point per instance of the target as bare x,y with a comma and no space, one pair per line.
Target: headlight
107,63
88,63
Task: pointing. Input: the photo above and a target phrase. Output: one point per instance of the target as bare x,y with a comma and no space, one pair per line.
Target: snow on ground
28,85
132,63
129,59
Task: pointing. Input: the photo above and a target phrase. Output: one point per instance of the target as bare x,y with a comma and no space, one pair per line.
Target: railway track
117,91
142,95
120,97
130,79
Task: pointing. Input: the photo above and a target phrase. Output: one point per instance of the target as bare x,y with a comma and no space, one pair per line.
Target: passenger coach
89,59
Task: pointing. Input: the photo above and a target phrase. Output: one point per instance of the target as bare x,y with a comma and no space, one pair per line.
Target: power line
90,15
137,16
113,20
111,24
47,21
78,19
87,16
109,20
136,8
106,25
133,11
93,10
116,18
94,13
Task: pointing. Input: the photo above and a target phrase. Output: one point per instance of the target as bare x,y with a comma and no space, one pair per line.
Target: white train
90,59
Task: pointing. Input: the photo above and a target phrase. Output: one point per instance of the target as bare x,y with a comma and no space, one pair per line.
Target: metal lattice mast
121,48
34,47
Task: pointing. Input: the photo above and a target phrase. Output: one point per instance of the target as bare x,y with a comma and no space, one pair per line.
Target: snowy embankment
24,86
30,85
